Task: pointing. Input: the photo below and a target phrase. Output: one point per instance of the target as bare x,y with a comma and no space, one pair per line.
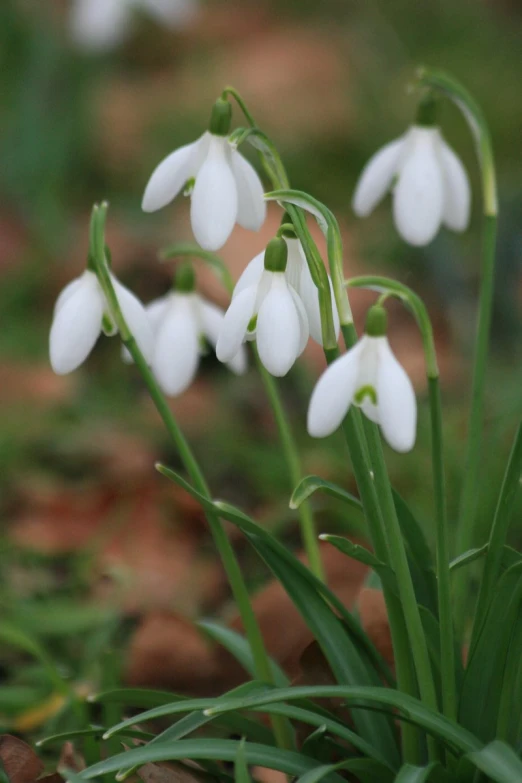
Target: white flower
103,24
429,182
280,326
180,320
78,321
227,189
298,276
369,376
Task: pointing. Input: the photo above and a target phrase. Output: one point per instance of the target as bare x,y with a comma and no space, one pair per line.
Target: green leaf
286,761
241,773
239,648
95,731
248,526
456,737
468,557
363,556
10,634
365,770
412,774
311,484
498,761
315,746
481,689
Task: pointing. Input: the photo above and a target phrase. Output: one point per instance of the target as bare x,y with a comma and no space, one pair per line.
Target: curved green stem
306,519
438,80
225,550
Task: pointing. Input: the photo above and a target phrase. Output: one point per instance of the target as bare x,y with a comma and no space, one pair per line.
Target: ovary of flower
103,24
298,276
270,310
370,377
227,189
78,320
430,185
180,322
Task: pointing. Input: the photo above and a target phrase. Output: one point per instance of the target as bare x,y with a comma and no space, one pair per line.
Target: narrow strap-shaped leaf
498,761
311,484
412,774
241,773
363,555
238,646
365,770
468,557
135,697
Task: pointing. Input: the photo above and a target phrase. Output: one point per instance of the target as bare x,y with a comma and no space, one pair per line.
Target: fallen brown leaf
20,762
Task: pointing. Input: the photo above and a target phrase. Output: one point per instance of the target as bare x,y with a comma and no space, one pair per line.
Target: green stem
470,491
447,640
223,545
306,519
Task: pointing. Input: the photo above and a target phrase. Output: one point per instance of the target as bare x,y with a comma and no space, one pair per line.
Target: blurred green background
90,537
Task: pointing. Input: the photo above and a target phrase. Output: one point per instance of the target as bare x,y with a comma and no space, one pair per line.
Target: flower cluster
275,301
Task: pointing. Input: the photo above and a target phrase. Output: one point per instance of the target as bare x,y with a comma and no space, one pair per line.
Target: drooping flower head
82,312
298,276
99,25
368,376
268,309
429,183
183,321
226,187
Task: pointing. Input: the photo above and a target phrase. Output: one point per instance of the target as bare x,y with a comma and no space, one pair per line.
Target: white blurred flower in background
100,25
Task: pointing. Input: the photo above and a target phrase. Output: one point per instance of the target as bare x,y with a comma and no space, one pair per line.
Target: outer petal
235,323
278,332
69,290
419,194
214,198
310,296
212,318
333,394
251,274
303,320
376,177
136,318
396,402
170,175
457,192
99,24
155,311
251,210
295,263
176,352
76,326
174,13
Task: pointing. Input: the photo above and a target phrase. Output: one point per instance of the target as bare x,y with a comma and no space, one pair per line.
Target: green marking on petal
252,324
365,391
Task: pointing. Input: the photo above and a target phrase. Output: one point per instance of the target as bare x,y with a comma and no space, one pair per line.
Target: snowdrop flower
368,376
181,320
299,278
270,311
82,312
103,24
227,189
429,183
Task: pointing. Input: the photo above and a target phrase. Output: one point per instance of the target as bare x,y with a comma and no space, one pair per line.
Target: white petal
174,13
212,317
213,209
69,290
176,353
251,208
251,274
333,394
295,263
136,319
235,323
376,177
457,192
419,194
76,326
304,328
310,296
99,24
156,310
396,402
278,332
170,175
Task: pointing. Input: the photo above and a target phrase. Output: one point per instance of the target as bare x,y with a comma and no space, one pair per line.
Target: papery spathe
180,320
78,321
369,376
429,183
270,311
227,189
